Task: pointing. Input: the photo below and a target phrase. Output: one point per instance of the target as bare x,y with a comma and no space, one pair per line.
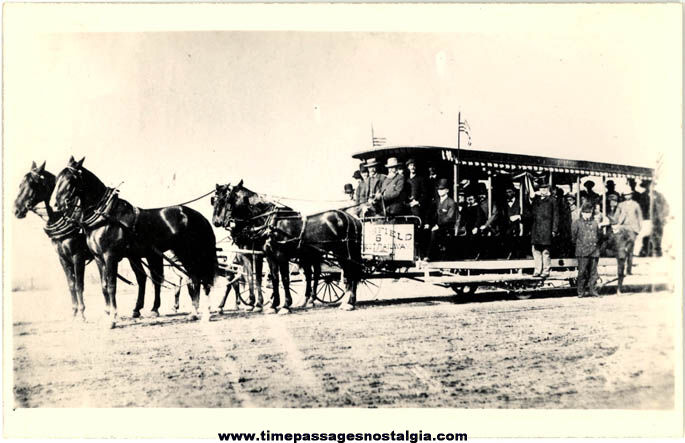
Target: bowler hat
589,184
570,197
443,183
392,163
587,207
357,175
371,162
362,167
610,182
543,185
411,161
348,188
645,183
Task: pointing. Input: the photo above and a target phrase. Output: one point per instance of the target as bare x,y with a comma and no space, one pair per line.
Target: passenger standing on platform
611,189
373,185
391,199
643,238
591,196
360,191
418,192
513,212
627,224
461,206
586,235
483,199
545,227
445,218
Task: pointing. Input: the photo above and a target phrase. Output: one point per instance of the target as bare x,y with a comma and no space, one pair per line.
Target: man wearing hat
392,197
373,183
591,196
513,212
611,188
545,226
473,217
417,191
360,191
585,233
445,219
627,223
349,192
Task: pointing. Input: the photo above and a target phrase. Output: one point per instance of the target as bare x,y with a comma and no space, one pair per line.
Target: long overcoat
545,220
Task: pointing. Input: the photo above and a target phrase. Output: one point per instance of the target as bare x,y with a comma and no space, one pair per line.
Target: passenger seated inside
474,217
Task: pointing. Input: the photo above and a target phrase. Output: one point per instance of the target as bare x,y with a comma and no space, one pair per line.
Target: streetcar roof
488,159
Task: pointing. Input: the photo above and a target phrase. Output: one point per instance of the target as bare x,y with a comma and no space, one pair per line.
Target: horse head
77,188
218,201
35,187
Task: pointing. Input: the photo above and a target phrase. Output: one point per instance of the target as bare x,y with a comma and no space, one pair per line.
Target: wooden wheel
331,289
468,289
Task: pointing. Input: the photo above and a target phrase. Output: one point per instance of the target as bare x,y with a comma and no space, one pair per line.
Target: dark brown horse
69,242
290,236
116,229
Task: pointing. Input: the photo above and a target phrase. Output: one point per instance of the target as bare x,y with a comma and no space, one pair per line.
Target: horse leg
284,268
79,262
71,282
275,296
177,294
103,284
110,270
207,311
156,266
258,272
223,300
351,281
141,278
194,292
307,269
317,275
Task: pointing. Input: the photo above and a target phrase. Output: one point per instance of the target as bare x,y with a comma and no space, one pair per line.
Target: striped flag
465,128
379,141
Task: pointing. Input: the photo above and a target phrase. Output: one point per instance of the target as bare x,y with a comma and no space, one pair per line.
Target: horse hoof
136,314
255,309
192,317
346,307
283,311
112,325
154,313
269,311
175,309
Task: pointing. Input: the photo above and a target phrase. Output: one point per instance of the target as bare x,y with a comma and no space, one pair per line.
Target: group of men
397,194
551,217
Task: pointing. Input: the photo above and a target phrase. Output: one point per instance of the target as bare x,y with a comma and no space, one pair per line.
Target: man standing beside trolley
627,224
545,227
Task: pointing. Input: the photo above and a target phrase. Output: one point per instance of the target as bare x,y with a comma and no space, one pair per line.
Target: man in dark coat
513,213
392,197
585,233
373,185
544,228
419,200
473,217
590,195
445,219
360,191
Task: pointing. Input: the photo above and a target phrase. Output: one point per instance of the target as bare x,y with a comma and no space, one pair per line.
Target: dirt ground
408,345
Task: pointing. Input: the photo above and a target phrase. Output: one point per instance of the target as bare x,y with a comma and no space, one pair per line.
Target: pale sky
170,114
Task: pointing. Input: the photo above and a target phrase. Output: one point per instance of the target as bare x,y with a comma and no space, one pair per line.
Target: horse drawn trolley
499,256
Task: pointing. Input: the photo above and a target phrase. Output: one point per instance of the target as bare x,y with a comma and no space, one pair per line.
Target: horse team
86,221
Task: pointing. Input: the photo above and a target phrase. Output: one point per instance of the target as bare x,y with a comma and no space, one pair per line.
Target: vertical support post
455,188
578,190
489,195
604,195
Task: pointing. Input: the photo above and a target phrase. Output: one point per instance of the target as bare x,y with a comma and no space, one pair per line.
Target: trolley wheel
460,290
330,289
523,295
